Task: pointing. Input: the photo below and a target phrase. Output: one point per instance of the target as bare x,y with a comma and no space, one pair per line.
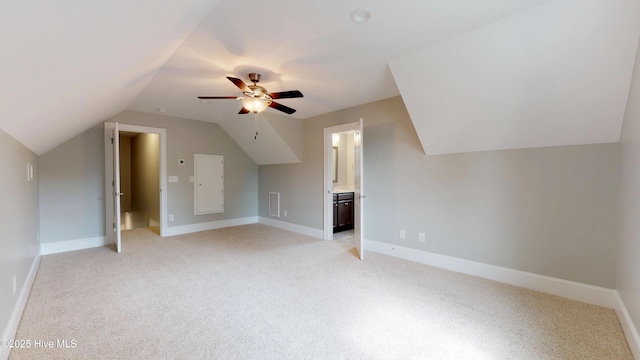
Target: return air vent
274,204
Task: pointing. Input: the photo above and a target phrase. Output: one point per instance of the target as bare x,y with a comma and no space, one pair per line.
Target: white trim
630,331
109,172
79,244
16,315
71,245
304,230
212,225
569,289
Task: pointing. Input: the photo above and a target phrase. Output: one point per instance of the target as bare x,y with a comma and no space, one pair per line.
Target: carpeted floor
255,292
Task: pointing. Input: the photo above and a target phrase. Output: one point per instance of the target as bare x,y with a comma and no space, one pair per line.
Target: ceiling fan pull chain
255,121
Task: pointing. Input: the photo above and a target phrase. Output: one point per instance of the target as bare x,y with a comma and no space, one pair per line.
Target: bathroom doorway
343,184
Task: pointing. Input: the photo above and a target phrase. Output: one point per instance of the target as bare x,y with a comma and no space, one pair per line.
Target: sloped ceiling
497,75
67,65
558,74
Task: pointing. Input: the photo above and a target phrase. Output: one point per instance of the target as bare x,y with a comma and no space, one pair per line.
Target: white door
209,184
117,235
358,190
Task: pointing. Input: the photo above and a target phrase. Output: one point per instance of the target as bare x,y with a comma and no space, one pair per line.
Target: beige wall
18,222
550,211
145,179
125,172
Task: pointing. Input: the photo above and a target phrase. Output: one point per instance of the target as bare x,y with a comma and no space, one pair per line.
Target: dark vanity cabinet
342,211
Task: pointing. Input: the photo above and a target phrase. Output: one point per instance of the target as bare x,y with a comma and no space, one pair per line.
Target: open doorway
139,180
343,180
118,217
343,184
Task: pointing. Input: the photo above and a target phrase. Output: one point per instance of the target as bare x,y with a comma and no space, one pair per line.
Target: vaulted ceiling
497,75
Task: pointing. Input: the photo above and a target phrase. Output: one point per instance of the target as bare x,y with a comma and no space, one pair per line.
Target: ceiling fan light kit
256,98
255,105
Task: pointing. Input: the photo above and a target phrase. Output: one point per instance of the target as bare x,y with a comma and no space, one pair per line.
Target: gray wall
628,269
549,211
72,189
18,221
72,177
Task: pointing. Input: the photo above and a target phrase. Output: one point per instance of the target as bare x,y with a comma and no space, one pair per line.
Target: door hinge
111,141
114,226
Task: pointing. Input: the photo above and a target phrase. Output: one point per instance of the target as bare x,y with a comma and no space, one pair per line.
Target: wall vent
274,204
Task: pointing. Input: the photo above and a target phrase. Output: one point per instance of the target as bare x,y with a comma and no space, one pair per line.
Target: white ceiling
503,74
67,65
558,74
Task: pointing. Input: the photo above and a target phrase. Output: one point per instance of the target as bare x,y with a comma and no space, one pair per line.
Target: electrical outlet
170,217
421,237
14,284
403,234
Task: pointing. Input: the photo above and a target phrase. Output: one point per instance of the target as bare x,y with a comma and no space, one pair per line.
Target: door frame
328,174
108,153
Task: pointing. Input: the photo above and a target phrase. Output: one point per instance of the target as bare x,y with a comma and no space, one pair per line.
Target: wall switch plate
191,178
403,234
170,217
173,179
14,285
421,237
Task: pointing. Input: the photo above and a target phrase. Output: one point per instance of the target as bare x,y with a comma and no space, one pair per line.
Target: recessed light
360,15
203,102
161,110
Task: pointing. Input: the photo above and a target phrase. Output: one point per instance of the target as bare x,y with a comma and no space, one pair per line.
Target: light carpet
256,292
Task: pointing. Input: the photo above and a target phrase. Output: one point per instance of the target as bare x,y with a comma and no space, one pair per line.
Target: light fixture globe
254,104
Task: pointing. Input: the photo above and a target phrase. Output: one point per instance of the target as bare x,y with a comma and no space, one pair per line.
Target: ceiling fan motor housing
254,77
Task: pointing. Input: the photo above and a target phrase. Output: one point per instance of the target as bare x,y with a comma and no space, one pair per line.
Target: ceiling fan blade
286,94
239,83
216,97
244,111
282,108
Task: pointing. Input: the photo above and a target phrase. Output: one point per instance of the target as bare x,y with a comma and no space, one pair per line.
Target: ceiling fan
256,97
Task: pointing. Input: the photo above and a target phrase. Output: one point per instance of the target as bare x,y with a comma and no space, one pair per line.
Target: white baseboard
568,289
630,330
304,230
16,314
71,245
212,225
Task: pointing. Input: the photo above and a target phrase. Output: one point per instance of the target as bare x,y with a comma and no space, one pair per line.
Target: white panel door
358,190
117,235
208,184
